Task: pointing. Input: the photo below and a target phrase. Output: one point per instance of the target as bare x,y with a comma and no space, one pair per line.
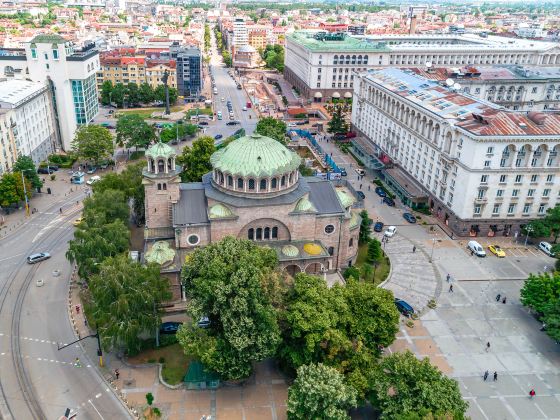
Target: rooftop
17,92
502,72
348,44
47,39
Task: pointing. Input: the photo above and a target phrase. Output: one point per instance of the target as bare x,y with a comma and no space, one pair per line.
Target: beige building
155,70
122,70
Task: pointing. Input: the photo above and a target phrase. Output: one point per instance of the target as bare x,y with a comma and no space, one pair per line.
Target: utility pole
25,192
99,350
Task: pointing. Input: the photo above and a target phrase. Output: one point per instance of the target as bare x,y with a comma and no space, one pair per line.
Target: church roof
47,39
219,211
255,155
160,150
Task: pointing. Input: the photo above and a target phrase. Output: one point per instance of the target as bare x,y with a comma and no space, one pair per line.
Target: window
46,56
480,194
251,184
259,234
159,187
273,183
511,209
518,162
496,209
193,239
251,234
534,162
490,150
534,90
503,178
515,193
502,162
546,192
240,183
329,229
534,178
330,250
477,209
550,178
351,242
486,163
530,192
33,53
450,201
266,233
526,208
230,181
518,179
483,179
542,208
499,193
283,181
262,185
55,54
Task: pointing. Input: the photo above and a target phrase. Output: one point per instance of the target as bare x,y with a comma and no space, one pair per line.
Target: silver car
35,258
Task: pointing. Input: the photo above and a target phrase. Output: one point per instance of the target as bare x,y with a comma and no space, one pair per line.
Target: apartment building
121,70
320,64
155,70
480,168
8,148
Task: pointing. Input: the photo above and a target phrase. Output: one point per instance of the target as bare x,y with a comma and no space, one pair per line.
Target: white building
28,119
8,149
69,74
320,65
240,33
482,169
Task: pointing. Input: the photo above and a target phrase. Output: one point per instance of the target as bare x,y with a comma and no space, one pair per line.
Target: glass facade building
84,93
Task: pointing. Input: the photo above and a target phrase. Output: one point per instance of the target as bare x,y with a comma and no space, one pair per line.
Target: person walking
485,375
78,363
451,288
117,373
487,346
532,393
504,300
414,249
472,252
448,277
361,186
495,376
498,296
369,187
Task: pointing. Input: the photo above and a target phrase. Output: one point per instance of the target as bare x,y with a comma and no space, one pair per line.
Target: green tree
196,160
374,252
25,164
93,143
319,392
366,271
351,272
125,297
118,94
552,220
178,130
403,385
365,228
132,94
273,128
227,58
133,131
11,189
159,94
145,93
537,229
224,282
106,89
540,290
106,206
552,319
337,124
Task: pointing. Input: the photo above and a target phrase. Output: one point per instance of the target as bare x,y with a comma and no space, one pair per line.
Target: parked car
476,249
203,322
223,99
546,248
78,221
218,137
104,165
35,258
203,123
390,232
45,170
403,307
230,123
497,251
343,172
360,172
93,180
378,227
409,217
169,327
361,195
244,108
389,201
380,192
91,169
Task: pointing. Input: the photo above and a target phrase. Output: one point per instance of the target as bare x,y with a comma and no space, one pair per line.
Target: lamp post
25,191
433,245
529,229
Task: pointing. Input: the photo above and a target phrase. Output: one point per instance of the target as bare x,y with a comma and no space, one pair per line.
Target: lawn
175,363
192,112
147,112
383,267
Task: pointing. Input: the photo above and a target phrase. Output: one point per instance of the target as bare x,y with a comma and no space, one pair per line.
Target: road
37,381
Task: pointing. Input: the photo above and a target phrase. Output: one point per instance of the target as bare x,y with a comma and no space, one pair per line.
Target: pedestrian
451,235
532,393
504,300
61,210
498,296
487,346
369,187
414,249
360,186
117,373
545,268
451,288
495,376
78,364
448,277
85,321
77,309
485,375
472,252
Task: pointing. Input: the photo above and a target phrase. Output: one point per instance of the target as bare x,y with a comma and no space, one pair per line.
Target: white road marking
13,256
96,410
98,395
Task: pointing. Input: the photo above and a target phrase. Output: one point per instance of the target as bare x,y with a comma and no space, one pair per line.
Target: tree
93,143
11,189
537,229
159,94
25,164
351,272
539,291
196,160
106,89
552,220
337,124
402,385
273,128
365,228
224,282
145,93
133,131
118,94
319,392
106,206
227,58
132,94
374,252
125,297
273,55
552,319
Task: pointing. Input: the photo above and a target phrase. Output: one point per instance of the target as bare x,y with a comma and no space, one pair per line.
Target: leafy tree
132,94
106,206
351,272
374,252
273,128
552,319
125,296
365,228
106,89
552,220
145,93
337,124
118,94
402,385
11,189
366,271
177,130
224,283
25,164
538,229
93,143
319,392
133,131
273,55
159,94
196,160
539,291
227,58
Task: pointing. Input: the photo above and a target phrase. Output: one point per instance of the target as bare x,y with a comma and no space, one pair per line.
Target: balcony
482,200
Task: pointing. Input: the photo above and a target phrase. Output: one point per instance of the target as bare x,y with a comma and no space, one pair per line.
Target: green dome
345,199
160,253
257,156
354,221
160,150
219,211
290,251
304,205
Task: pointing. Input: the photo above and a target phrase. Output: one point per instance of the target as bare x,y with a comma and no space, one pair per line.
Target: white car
390,232
292,124
244,108
360,172
546,248
93,180
223,99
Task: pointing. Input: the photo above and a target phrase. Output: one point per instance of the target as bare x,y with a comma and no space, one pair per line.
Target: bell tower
161,185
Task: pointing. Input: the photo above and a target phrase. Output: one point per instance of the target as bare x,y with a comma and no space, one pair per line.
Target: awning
348,95
318,95
336,95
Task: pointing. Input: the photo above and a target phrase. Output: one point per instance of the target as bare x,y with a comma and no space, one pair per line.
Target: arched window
230,181
259,234
161,166
273,183
275,232
291,178
283,181
365,59
331,251
221,178
251,234
240,183
169,166
152,165
159,187
335,59
251,184
262,186
164,186
266,233
351,242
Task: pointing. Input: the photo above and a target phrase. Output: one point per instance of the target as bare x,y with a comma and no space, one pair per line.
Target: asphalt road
37,381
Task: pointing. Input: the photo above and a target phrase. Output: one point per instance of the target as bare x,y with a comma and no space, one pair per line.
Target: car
218,137
169,327
230,123
302,122
203,123
104,165
361,195
77,221
380,192
91,169
409,217
244,108
343,172
360,172
389,201
378,227
223,99
403,307
292,124
497,251
35,258
390,232
93,180
476,249
45,170
203,322
546,248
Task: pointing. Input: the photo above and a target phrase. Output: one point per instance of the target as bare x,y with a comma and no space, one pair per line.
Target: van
476,248
546,248
219,115
215,91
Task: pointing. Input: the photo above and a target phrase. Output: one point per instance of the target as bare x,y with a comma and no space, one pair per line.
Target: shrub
53,177
149,398
162,360
423,210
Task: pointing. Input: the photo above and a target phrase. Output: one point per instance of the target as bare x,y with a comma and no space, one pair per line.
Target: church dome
160,150
305,205
219,211
345,199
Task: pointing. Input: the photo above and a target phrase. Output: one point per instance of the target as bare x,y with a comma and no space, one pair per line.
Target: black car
170,327
343,172
409,218
403,307
361,195
218,137
45,170
380,192
389,201
203,123
378,227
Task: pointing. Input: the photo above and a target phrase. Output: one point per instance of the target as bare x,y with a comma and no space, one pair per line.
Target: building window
262,186
518,179
159,187
503,178
55,54
251,234
511,209
490,150
251,184
193,239
266,233
534,90
351,242
275,232
483,179
46,56
240,183
330,250
518,162
273,183
329,229
534,162
499,193
230,181
33,53
534,178
546,192
542,208
486,163
530,192
477,209
526,208
480,194
549,178
259,234
515,193
496,209
502,162
283,181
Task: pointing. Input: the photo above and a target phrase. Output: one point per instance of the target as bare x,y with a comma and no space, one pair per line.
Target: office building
189,71
480,168
240,33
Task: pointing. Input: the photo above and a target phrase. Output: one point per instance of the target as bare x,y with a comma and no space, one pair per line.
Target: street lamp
528,229
432,253
25,191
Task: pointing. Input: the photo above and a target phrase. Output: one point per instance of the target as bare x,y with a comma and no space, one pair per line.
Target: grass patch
383,267
147,112
175,362
201,111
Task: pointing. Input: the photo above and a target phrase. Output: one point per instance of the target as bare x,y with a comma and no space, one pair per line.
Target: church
254,192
